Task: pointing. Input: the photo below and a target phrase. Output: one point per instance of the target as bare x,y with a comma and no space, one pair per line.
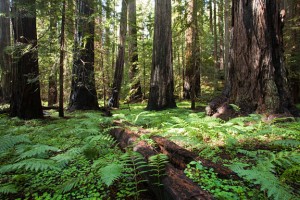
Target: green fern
287,143
32,164
69,185
134,168
264,172
291,175
111,173
36,150
267,181
9,141
8,189
157,164
64,158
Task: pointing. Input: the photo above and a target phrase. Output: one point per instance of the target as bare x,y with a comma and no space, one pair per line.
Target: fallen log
180,157
176,186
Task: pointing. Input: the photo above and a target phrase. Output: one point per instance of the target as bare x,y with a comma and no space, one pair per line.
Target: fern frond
268,182
37,150
32,164
157,164
9,141
291,175
69,185
64,158
110,173
287,143
8,189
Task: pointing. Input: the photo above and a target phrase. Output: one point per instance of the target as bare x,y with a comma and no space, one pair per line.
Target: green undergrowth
76,158
266,155
70,158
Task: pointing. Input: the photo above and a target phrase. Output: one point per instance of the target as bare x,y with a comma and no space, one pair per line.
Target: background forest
182,60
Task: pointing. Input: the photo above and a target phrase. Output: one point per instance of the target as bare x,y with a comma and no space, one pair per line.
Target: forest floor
77,158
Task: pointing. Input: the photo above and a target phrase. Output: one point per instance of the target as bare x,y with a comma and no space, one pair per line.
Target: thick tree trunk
5,59
257,77
192,53
26,100
135,89
83,91
162,84
119,67
192,73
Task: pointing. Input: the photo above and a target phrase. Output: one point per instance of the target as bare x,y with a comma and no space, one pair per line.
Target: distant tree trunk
192,75
257,77
162,84
5,59
227,38
26,100
216,59
52,89
83,91
136,89
61,61
221,34
210,7
293,22
119,67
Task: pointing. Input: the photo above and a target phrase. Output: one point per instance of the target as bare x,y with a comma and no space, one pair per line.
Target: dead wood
175,184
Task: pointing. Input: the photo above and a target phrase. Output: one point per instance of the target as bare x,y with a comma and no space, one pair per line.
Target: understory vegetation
76,158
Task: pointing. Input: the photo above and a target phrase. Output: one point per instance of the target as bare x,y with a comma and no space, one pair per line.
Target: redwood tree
25,100
135,89
257,79
119,66
5,63
192,74
162,84
83,91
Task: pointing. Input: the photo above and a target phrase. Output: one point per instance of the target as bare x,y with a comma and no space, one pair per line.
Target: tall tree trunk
162,85
26,100
216,59
136,89
191,88
83,91
5,59
221,34
227,38
119,67
293,44
52,89
257,77
61,61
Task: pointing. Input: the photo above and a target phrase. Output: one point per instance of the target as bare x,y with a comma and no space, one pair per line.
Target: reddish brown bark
162,84
257,77
175,184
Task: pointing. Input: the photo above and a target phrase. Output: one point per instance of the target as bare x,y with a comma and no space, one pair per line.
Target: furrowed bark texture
257,77
26,100
83,90
162,84
119,67
5,59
